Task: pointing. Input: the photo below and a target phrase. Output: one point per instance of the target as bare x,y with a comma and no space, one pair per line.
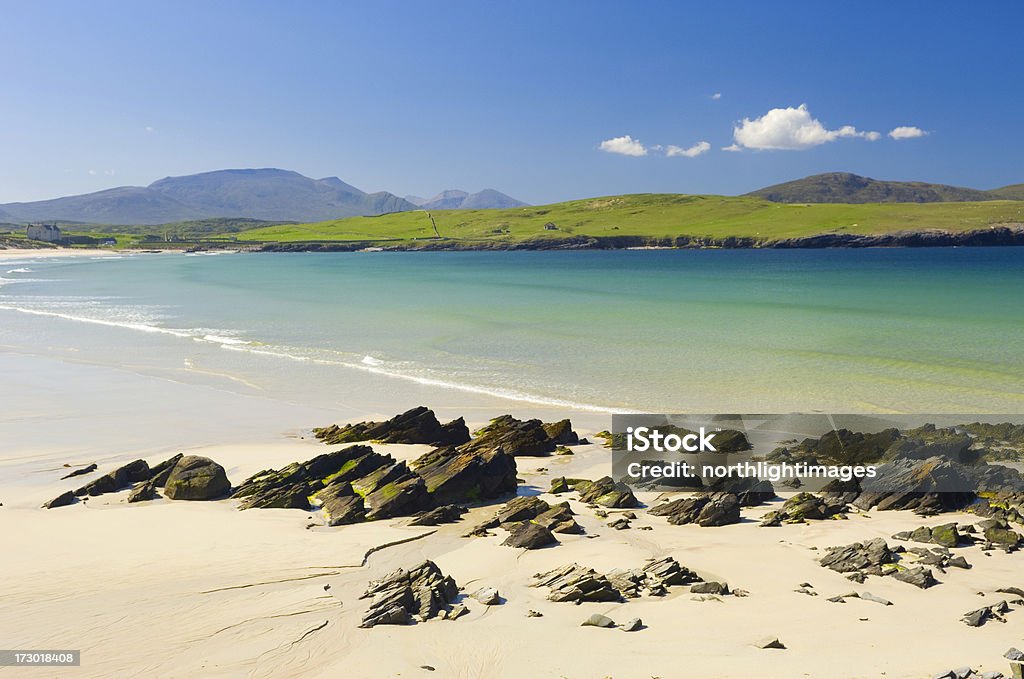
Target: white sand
178,589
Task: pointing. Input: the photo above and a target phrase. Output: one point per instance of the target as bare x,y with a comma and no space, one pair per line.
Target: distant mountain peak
846,187
456,199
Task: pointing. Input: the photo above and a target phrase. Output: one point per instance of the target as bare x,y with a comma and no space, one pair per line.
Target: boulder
934,484
422,593
488,596
196,478
558,486
999,533
598,620
530,536
418,425
607,493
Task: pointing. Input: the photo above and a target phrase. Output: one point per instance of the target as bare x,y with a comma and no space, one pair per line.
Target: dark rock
423,592
341,505
558,519
607,493
515,437
934,485
143,492
918,576
521,508
405,494
196,478
443,514
999,533
867,557
530,536
769,642
561,433
80,472
61,500
803,507
558,486
456,475
133,472
418,425
711,587
714,509
292,485
577,584
621,523
160,472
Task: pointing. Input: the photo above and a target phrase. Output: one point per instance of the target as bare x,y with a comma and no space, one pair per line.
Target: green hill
844,187
1011,192
651,216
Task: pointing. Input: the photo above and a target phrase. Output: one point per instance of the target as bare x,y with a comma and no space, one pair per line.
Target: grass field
651,215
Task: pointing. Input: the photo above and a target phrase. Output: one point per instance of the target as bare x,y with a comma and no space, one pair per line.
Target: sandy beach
171,588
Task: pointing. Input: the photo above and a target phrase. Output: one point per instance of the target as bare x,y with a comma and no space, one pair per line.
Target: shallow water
902,330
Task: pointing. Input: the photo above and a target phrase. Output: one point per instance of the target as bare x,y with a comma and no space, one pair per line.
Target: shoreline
994,236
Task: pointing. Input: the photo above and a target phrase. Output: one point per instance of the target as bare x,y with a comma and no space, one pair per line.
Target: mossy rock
197,478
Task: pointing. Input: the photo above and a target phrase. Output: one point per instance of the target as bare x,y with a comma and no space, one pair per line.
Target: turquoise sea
901,330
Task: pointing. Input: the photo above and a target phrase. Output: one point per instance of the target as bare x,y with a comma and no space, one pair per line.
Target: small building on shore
49,233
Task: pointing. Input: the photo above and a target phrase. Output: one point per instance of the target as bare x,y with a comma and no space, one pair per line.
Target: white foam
374,366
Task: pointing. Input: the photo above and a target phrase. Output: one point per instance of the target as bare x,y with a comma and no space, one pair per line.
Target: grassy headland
613,221
649,216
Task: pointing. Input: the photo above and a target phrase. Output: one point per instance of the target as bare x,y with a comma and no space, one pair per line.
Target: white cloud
692,152
624,145
791,129
149,128
733,148
92,172
716,96
906,132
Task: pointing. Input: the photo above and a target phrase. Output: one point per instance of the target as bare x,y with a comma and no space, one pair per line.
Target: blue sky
416,97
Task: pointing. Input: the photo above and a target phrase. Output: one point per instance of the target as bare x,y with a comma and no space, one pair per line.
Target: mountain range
844,187
284,196
265,194
453,199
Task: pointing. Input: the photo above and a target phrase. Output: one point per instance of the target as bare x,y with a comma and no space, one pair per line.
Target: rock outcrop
803,507
404,596
418,425
705,509
579,584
